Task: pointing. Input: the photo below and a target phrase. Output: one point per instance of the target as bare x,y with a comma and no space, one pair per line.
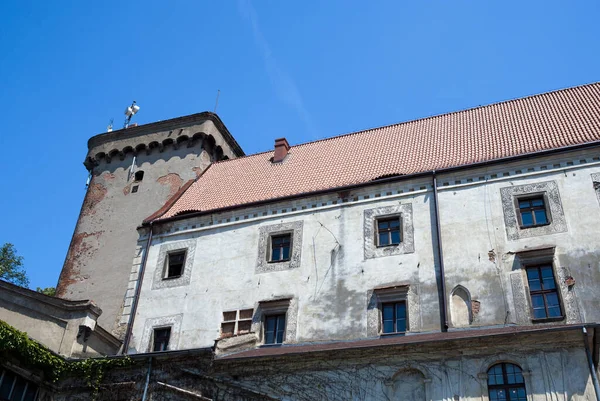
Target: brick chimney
281,149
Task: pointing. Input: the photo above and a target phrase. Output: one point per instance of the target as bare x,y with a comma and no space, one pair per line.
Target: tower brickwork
134,171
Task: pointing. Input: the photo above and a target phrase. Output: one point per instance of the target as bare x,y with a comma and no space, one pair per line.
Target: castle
451,257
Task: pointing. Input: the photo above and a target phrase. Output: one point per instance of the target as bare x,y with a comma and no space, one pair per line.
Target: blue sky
303,70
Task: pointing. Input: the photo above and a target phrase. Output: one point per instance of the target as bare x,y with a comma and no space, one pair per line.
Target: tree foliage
50,291
11,266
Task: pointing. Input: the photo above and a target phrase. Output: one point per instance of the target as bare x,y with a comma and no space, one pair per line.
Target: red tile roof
541,122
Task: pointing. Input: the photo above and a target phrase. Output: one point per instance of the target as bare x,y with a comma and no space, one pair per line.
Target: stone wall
98,262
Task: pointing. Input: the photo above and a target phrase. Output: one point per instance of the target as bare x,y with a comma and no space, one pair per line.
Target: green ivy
35,356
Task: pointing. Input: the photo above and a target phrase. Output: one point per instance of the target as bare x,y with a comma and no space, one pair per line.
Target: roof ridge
366,130
444,114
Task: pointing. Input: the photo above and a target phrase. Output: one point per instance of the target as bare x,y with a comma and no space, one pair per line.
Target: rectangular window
393,317
236,322
161,339
532,212
544,294
388,231
175,263
274,329
14,387
280,247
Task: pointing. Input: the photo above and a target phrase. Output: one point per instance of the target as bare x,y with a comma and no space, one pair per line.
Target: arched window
505,383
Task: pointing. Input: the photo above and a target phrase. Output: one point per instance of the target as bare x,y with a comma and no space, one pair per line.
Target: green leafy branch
30,353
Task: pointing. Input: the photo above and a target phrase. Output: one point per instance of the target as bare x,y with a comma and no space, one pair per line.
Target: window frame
277,307
290,235
395,318
277,315
556,290
388,218
394,294
528,197
153,342
236,322
16,377
167,264
505,386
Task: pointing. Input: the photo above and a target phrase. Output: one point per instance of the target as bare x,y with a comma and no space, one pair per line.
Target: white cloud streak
283,84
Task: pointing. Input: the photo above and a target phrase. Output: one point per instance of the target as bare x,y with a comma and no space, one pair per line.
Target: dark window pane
539,313
384,239
396,237
540,217
383,225
537,301
549,283
537,202
30,393
276,255
554,311
524,204
18,389
388,318
395,223
499,395
533,274
400,317
286,253
7,384
535,285
547,271
388,312
280,328
552,299
270,323
527,218
161,339
176,261
388,326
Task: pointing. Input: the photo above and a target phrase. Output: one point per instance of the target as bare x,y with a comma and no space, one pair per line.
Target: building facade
445,258
453,257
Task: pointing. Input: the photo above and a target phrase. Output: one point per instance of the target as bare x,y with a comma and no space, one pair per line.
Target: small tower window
139,175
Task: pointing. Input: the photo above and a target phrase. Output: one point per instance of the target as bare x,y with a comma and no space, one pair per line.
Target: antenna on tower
130,112
110,125
217,101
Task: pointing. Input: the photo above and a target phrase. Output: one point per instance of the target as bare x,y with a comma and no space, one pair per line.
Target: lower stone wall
554,367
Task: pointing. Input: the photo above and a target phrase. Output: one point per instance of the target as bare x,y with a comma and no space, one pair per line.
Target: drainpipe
147,379
443,311
591,363
138,288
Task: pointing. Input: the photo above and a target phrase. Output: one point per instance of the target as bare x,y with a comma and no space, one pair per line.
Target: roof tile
541,122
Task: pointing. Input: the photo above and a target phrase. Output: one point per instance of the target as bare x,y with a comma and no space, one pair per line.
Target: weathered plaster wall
56,323
334,276
479,250
98,262
331,282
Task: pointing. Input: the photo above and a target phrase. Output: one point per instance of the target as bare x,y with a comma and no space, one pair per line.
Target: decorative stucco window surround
173,321
266,232
547,189
401,292
159,281
513,358
520,287
407,241
596,183
287,305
